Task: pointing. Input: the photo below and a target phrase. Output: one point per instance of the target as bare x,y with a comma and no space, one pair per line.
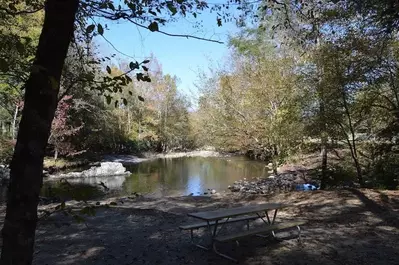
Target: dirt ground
344,227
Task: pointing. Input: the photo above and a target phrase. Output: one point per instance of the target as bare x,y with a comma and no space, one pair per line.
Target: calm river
164,177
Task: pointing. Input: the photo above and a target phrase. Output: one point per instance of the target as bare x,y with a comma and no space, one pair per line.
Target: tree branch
175,35
122,15
22,12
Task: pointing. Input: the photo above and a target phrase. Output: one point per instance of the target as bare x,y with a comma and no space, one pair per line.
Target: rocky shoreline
284,181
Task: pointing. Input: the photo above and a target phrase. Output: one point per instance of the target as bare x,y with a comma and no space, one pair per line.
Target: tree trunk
40,104
324,176
3,128
274,159
14,122
55,156
324,140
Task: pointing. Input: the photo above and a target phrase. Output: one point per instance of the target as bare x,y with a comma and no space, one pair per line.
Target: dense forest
301,77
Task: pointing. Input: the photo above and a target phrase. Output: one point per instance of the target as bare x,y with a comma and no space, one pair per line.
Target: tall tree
41,92
41,96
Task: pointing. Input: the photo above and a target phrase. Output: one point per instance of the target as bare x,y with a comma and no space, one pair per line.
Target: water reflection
182,176
176,176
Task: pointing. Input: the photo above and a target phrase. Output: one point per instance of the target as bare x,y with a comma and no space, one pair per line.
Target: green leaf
128,79
195,15
131,6
100,29
145,61
140,98
116,103
172,8
130,93
153,26
124,101
108,69
219,21
139,76
111,6
133,65
90,28
144,68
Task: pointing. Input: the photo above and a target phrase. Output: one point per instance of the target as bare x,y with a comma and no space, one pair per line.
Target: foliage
6,150
61,130
254,107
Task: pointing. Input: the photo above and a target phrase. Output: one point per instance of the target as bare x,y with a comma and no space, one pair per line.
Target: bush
6,150
385,173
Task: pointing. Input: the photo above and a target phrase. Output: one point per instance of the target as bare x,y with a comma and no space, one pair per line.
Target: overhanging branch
22,12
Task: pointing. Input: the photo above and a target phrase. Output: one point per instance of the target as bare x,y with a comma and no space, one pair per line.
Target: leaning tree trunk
40,104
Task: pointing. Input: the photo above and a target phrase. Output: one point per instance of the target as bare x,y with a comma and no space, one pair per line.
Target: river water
163,177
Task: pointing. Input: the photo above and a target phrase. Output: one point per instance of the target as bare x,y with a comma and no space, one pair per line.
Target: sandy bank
344,227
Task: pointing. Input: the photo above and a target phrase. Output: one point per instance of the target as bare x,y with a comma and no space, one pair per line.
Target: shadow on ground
343,227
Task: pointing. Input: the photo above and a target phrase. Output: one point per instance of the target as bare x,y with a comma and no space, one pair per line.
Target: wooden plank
262,230
231,212
204,224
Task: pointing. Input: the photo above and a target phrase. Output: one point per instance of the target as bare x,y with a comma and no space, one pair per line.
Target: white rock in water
213,191
270,165
106,169
271,177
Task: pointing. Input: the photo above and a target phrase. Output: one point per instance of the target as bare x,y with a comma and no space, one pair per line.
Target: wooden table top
231,212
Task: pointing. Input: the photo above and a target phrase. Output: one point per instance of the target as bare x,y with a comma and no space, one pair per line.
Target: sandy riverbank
344,227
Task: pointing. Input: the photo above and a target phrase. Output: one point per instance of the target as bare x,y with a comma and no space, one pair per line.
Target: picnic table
215,220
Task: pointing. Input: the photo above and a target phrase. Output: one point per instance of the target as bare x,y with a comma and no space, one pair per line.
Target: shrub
6,150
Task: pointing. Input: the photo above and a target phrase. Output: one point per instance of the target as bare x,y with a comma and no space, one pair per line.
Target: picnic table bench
212,220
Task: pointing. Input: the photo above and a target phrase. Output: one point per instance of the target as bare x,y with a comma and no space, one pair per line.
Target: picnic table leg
267,216
274,216
214,229
221,254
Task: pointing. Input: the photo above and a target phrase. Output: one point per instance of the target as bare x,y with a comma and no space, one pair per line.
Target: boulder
104,170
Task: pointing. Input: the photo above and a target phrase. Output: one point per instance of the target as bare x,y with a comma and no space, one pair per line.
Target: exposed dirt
344,227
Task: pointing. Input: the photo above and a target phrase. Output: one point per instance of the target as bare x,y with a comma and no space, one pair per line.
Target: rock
274,183
235,188
104,170
213,191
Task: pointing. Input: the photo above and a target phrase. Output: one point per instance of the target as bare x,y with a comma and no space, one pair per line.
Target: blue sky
178,56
